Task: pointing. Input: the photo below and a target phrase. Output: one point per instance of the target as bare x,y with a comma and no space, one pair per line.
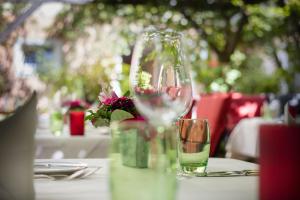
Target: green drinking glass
56,123
193,146
142,162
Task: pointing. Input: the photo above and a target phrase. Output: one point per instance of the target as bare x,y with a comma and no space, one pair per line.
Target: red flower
108,100
137,118
122,103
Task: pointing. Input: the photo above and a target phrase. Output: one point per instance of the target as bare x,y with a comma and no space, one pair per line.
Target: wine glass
159,77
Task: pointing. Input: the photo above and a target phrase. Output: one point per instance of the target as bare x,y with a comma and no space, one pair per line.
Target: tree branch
276,58
200,30
26,12
45,1
233,39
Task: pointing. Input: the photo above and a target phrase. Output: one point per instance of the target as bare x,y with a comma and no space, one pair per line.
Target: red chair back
213,108
190,112
243,106
279,162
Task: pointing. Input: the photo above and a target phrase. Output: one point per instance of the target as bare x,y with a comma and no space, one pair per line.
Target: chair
243,106
213,107
279,162
189,114
17,153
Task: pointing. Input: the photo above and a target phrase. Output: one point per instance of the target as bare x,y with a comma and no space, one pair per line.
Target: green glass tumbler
56,123
193,146
141,163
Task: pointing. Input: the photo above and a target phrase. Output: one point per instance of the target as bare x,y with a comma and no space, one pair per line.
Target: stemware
161,84
159,77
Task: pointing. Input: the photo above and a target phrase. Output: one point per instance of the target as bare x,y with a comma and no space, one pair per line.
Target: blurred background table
243,142
94,144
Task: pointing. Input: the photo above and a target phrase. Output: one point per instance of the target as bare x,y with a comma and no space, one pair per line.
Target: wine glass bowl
159,77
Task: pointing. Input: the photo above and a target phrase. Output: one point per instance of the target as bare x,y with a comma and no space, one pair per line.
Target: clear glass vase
142,162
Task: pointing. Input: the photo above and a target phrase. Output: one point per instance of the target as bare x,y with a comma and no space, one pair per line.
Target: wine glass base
188,172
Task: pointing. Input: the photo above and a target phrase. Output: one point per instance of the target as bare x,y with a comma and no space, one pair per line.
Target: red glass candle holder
279,162
76,122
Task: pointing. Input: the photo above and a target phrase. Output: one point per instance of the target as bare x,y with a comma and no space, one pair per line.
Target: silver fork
59,176
85,173
90,172
78,174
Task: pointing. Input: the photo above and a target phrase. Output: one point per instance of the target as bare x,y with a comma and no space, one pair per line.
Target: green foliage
232,30
101,117
123,78
255,80
126,94
9,9
144,79
84,82
120,115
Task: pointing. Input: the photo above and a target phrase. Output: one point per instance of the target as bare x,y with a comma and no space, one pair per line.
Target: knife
58,164
246,172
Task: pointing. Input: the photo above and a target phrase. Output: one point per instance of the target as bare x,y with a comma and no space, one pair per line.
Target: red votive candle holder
76,122
279,162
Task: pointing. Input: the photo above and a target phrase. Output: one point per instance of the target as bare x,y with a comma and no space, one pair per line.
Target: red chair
190,112
213,107
243,106
279,162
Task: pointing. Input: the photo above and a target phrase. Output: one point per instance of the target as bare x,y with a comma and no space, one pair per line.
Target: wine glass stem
168,135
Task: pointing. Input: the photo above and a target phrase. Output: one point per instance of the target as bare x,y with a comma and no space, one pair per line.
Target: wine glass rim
164,33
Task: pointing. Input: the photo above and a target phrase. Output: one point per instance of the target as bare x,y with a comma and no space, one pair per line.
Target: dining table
243,141
94,143
96,186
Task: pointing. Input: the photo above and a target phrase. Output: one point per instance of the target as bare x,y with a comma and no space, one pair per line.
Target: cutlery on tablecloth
59,164
231,173
83,173
63,170
92,171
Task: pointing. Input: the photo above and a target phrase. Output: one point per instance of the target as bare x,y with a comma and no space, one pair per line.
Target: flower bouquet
131,140
113,108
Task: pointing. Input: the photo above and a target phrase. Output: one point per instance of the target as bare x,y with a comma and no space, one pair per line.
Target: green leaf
126,94
101,122
90,116
120,115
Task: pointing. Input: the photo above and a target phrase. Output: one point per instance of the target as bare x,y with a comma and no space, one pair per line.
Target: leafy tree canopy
226,41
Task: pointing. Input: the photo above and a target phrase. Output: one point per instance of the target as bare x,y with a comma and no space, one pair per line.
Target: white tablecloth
243,141
94,144
96,187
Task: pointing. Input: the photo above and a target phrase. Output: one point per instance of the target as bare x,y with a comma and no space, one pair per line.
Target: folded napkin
17,152
63,170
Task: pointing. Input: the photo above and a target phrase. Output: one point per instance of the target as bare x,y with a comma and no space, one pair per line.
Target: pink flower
108,99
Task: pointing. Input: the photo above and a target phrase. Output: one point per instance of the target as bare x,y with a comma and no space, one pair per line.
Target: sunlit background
71,49
244,60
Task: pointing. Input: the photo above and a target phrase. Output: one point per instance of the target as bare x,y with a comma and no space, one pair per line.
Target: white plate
64,168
